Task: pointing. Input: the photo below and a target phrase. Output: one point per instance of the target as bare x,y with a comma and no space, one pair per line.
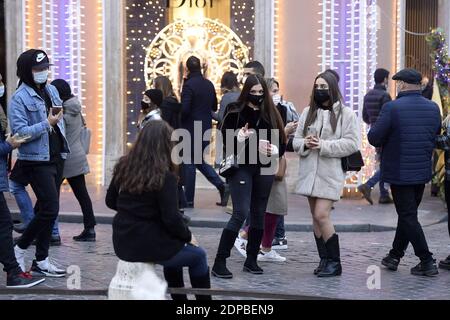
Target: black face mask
145,105
321,96
256,100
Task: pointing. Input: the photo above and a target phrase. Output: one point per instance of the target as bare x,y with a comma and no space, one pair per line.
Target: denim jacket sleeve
5,148
19,121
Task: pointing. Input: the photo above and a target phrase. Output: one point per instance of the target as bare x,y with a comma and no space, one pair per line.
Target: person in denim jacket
35,114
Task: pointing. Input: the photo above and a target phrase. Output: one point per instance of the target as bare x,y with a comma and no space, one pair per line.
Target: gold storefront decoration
214,43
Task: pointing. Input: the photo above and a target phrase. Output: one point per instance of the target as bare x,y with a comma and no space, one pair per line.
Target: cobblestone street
359,251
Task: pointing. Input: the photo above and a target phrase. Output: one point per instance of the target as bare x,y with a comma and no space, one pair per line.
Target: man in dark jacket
374,100
406,131
199,99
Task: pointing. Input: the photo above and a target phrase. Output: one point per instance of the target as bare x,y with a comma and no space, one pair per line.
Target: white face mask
276,99
2,91
40,77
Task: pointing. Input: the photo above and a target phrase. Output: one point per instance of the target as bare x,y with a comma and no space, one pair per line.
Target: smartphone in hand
312,131
56,110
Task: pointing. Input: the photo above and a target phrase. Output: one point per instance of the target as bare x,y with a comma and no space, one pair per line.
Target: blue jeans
190,256
190,177
26,205
377,179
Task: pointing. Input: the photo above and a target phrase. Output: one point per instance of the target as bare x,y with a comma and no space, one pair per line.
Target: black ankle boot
88,235
445,264
224,195
227,240
175,280
253,246
333,266
202,283
322,254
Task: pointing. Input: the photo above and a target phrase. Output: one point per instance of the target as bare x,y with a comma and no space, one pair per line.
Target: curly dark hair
145,167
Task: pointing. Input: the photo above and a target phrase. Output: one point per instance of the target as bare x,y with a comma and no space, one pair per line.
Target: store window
161,35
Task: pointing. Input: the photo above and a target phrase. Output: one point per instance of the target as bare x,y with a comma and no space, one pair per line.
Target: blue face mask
2,91
40,77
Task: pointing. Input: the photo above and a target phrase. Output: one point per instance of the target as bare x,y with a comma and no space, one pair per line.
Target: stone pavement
351,215
359,251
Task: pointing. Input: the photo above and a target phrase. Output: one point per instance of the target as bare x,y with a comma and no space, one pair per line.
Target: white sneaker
271,256
241,246
20,257
47,269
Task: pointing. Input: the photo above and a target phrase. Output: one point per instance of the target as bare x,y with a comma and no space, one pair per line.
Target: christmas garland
437,42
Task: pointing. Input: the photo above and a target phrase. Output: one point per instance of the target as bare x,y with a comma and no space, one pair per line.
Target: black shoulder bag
355,161
230,164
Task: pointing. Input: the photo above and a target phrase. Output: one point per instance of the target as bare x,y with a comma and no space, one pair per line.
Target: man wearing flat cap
406,131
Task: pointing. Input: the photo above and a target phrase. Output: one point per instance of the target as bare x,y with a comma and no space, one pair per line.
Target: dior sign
189,3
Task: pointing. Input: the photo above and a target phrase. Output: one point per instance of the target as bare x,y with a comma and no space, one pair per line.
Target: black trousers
407,201
7,257
250,193
78,185
45,182
447,199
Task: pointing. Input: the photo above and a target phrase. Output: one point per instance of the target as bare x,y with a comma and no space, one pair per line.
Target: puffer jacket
374,101
406,131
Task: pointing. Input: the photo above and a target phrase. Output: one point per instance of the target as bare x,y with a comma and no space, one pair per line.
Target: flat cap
410,76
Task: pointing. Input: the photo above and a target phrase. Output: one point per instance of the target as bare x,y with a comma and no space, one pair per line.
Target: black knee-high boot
322,249
227,240
203,282
253,247
333,267
175,280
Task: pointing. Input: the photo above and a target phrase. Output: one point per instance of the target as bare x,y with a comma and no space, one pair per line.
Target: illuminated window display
161,35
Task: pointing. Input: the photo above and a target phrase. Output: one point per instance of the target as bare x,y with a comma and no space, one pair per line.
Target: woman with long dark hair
327,132
148,227
170,107
261,139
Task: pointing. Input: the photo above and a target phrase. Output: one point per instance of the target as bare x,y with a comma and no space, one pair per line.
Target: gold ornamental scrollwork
215,44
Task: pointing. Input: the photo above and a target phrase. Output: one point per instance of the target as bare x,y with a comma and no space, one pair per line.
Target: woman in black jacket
148,227
260,141
171,113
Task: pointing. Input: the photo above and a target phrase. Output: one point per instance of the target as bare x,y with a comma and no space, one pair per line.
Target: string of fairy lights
145,19
60,27
348,45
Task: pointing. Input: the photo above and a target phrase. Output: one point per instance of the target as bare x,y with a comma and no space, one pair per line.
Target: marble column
264,34
14,25
114,81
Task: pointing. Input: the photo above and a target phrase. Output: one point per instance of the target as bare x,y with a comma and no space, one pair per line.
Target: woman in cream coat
327,132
